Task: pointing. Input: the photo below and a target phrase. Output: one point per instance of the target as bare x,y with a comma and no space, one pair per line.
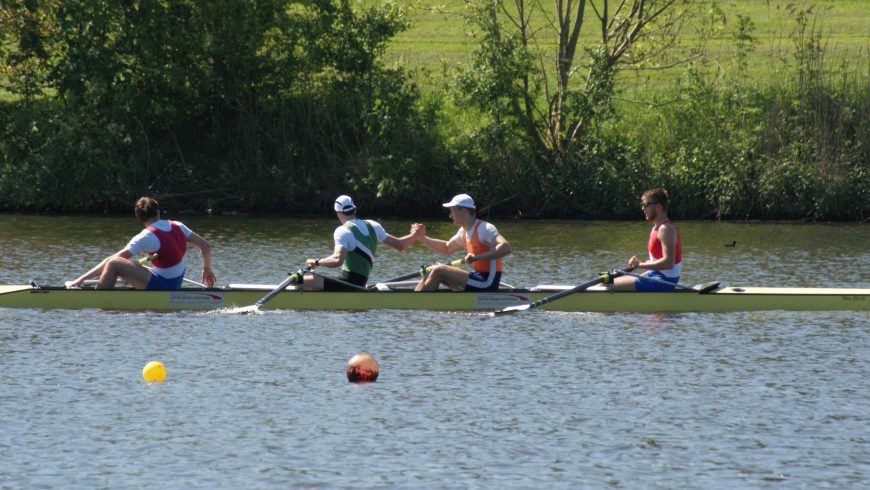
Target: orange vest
475,246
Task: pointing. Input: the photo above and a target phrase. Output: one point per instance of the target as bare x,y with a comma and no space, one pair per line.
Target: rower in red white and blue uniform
167,239
664,248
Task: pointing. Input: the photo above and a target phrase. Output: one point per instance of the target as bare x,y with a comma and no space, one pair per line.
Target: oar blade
255,308
245,310
508,310
706,287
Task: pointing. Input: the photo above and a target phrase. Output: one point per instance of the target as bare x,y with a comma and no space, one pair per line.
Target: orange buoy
362,368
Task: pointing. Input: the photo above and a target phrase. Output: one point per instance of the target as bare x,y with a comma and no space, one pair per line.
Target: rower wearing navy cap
484,247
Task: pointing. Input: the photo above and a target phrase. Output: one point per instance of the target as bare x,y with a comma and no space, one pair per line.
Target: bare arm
668,236
443,247
205,248
417,232
500,248
334,260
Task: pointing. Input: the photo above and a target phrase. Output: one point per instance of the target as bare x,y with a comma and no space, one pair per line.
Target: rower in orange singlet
484,248
665,252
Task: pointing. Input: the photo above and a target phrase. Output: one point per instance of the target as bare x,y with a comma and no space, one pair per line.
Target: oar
554,297
293,277
199,284
148,258
700,288
420,273
348,284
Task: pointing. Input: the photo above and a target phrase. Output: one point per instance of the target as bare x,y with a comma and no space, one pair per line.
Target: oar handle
453,263
148,258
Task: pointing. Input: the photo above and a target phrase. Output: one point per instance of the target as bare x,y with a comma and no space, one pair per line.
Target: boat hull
721,300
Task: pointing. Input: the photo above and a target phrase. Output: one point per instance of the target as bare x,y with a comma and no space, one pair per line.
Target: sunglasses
646,204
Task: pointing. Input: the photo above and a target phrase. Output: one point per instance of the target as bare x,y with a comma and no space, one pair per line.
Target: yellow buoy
362,368
154,371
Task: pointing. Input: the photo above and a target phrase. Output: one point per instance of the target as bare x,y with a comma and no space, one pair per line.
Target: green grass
438,36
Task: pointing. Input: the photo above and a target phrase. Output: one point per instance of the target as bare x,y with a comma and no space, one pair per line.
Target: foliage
726,146
792,150
549,100
278,105
239,104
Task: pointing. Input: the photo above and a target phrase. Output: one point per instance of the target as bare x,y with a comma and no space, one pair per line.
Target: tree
528,74
111,99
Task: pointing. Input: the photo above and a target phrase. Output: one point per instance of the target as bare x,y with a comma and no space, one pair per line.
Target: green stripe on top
361,258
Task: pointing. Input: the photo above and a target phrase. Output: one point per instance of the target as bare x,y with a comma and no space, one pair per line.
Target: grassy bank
439,39
767,121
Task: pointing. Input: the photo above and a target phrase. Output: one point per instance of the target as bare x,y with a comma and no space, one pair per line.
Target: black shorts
483,281
351,277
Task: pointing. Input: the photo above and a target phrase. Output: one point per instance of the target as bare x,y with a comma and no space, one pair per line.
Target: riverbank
770,121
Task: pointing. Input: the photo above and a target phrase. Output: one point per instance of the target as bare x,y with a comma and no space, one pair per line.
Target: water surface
540,399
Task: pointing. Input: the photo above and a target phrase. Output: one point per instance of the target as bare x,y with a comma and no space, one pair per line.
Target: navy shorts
483,281
649,286
159,282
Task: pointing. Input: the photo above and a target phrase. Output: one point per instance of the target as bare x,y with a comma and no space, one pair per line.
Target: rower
665,252
355,243
484,245
166,240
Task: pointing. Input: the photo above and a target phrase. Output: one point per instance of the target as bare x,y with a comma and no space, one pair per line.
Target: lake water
534,400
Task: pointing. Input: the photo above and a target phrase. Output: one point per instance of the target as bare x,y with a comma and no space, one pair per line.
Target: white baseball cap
462,200
344,204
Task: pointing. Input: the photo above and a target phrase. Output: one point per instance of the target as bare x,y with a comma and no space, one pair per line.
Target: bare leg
132,272
95,272
623,283
453,277
312,283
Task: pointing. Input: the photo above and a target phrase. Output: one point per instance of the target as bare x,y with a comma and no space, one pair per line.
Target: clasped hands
418,230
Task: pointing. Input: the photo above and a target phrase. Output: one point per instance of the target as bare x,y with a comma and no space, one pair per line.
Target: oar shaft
148,258
547,299
562,294
420,273
286,282
411,275
348,284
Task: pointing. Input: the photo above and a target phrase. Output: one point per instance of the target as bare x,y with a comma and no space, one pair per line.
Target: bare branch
540,105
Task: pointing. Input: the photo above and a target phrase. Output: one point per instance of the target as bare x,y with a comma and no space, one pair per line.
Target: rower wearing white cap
484,245
355,244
